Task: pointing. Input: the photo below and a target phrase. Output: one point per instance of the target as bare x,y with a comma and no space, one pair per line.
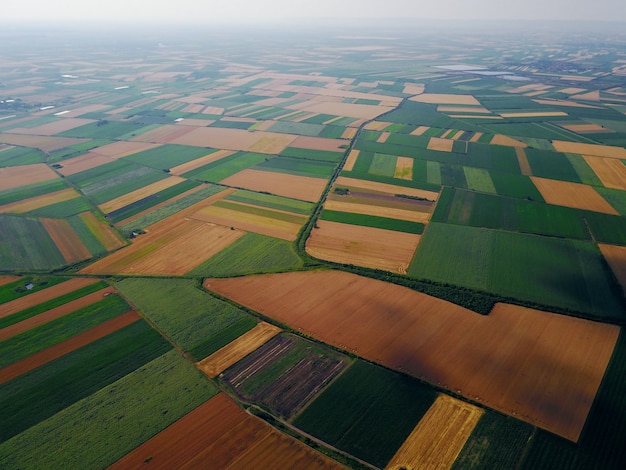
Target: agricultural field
358,246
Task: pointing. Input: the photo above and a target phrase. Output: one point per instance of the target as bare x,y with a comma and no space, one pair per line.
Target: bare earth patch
66,240
435,98
281,184
199,162
16,176
616,257
88,161
33,203
589,149
540,367
351,160
386,188
441,145
611,171
500,139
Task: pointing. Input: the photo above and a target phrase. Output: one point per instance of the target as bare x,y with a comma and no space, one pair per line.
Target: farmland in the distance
387,244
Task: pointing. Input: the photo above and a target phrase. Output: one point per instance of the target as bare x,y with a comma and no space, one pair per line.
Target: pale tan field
362,246
540,367
476,136
16,176
434,98
572,90
233,352
539,114
377,125
500,139
45,143
298,187
66,240
63,124
88,161
39,297
250,222
523,162
571,104
446,134
377,210
475,116
38,202
193,108
383,137
349,133
441,145
439,437
585,128
616,257
351,160
413,89
589,149
529,87
109,238
463,109
140,193
591,96
576,195
123,148
364,111
404,168
458,135
220,435
319,143
612,172
198,162
172,248
420,130
195,122
386,188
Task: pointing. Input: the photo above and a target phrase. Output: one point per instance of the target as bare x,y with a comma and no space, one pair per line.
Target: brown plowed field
33,203
439,436
123,149
53,314
139,194
8,279
362,246
219,434
67,346
44,295
576,195
385,188
16,176
170,249
616,257
45,143
225,357
589,149
611,171
84,162
319,143
63,124
110,239
281,184
66,240
378,210
540,367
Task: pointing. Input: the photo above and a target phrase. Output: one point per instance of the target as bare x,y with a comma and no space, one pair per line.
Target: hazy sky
267,10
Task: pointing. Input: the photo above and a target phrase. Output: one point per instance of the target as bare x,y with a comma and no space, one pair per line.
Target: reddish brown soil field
66,240
67,346
44,295
53,314
540,367
8,279
281,184
84,162
16,176
219,434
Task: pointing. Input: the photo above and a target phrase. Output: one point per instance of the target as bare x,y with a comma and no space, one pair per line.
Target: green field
41,337
122,415
298,128
50,304
252,253
569,274
21,156
312,154
170,209
25,244
76,150
168,156
615,197
368,411
61,210
42,392
270,201
297,166
104,130
31,190
225,167
553,165
187,315
373,221
479,179
86,236
383,165
16,289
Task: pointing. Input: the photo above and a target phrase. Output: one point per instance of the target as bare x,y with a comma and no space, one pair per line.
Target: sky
266,11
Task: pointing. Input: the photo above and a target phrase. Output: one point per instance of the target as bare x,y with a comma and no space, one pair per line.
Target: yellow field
379,211
585,128
420,130
386,188
413,89
616,257
522,160
462,109
198,162
38,202
589,149
139,194
576,195
499,139
439,436
571,104
404,168
351,160
349,133
612,172
233,352
540,114
442,145
16,176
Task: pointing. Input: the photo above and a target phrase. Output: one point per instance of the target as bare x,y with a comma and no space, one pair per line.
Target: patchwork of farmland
263,217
